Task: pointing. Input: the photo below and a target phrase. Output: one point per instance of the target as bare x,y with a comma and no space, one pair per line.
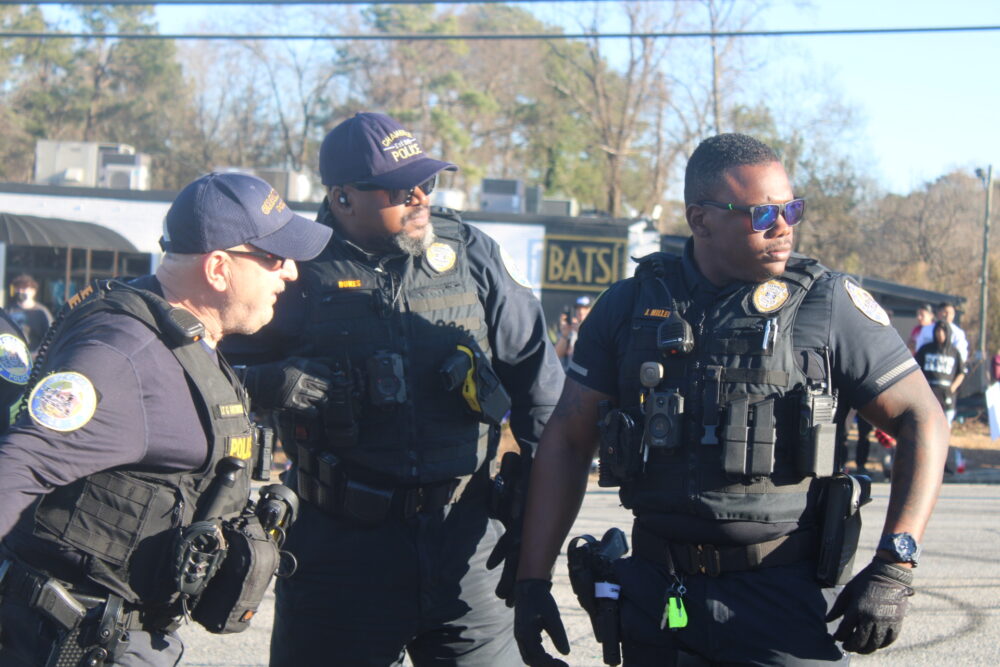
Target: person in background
941,363
945,313
925,316
569,328
33,318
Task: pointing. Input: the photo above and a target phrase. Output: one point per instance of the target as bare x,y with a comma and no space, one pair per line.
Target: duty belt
322,482
715,560
26,586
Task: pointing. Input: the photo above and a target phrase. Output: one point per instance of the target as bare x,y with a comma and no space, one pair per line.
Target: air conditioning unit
124,177
124,170
562,207
502,195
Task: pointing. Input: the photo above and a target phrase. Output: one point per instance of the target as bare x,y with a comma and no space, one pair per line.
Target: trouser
366,595
27,638
769,616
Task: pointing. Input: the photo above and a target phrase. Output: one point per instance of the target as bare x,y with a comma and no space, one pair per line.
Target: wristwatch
902,546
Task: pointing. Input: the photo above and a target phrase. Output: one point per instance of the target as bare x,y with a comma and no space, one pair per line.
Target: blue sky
928,103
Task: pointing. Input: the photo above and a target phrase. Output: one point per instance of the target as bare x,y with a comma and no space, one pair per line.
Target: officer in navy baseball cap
389,456
109,471
222,210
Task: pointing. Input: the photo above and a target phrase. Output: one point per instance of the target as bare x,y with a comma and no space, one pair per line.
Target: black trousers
771,616
365,595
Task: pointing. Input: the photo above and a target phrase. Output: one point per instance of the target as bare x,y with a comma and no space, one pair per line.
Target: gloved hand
508,552
293,384
535,610
873,604
507,498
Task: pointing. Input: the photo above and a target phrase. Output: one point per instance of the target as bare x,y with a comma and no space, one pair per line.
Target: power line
497,36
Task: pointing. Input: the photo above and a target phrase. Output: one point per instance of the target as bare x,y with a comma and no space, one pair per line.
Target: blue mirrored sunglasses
765,216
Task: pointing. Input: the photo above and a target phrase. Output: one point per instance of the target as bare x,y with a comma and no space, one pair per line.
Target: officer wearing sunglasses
725,372
405,309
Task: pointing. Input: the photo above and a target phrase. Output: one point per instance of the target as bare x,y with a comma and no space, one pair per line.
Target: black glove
507,498
507,551
873,604
293,384
535,610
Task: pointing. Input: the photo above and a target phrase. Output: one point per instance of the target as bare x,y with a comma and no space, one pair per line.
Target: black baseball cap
374,148
222,210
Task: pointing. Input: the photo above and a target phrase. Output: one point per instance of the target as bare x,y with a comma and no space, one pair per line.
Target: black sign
583,263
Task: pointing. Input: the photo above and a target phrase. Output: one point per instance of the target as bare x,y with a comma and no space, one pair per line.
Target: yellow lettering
270,202
656,312
348,283
572,271
231,410
606,277
75,300
241,447
554,264
406,152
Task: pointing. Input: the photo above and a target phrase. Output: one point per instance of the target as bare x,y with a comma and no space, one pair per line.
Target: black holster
845,495
592,576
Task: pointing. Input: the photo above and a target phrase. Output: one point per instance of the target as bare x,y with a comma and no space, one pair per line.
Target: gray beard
414,247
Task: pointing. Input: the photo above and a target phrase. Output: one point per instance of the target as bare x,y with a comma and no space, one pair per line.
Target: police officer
15,367
130,416
406,335
737,351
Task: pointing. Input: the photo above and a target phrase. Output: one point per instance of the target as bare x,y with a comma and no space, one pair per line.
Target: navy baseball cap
222,210
374,148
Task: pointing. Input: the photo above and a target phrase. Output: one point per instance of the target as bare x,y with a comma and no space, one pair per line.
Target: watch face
905,546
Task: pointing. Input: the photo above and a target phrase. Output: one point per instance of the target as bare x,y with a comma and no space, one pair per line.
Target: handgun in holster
845,495
468,369
592,576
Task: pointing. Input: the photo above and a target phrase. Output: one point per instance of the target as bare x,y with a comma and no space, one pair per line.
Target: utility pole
984,277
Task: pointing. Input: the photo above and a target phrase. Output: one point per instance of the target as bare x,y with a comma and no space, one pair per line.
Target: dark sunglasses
765,216
402,196
269,260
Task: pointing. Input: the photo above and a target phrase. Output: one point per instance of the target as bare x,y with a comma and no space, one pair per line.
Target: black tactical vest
741,382
125,522
387,327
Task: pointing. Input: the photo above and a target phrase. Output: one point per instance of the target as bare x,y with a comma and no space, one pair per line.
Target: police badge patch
15,360
866,303
770,296
441,257
63,401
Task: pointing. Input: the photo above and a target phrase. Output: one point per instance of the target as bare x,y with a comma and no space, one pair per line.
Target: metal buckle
706,559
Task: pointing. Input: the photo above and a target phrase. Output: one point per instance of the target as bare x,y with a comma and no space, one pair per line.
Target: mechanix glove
293,384
509,493
873,604
535,610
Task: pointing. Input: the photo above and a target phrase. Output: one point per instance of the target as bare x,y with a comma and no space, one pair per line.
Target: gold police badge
441,257
866,303
770,296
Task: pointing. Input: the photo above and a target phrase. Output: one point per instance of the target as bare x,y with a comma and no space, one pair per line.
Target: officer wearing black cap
410,337
134,431
714,381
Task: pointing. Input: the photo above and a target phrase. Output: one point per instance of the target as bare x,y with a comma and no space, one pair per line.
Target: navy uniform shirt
123,401
15,367
867,356
523,357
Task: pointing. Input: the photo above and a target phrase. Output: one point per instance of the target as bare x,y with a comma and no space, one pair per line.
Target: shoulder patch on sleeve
63,401
513,270
15,360
866,303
